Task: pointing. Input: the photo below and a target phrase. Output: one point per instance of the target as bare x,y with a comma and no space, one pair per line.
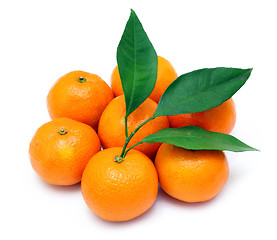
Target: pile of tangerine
86,113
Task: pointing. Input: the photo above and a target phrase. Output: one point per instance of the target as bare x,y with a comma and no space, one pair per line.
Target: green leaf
196,138
137,64
201,90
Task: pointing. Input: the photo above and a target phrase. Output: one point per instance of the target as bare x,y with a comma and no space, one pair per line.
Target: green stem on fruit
82,80
62,131
126,127
123,154
138,143
118,159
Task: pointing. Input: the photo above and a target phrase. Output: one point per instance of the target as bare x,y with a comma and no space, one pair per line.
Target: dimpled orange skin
165,76
61,159
111,128
119,191
219,119
83,102
191,176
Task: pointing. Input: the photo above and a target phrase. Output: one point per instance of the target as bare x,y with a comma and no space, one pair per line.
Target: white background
42,40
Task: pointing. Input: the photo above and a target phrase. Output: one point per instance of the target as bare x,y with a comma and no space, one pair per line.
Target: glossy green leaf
137,64
201,90
196,138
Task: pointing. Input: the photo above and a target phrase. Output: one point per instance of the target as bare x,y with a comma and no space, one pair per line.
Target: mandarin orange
79,95
191,176
219,119
119,191
60,150
165,76
111,128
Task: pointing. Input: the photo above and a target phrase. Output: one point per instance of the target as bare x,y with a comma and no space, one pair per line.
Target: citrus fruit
60,150
111,128
80,96
219,119
165,76
191,176
119,191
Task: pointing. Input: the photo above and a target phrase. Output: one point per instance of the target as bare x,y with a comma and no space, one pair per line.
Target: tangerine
60,150
111,128
165,76
79,95
191,176
119,191
219,119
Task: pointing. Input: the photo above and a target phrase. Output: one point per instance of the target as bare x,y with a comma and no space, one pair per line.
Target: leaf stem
123,153
140,142
126,126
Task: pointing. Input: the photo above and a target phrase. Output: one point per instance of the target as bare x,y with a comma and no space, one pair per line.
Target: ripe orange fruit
219,119
80,96
119,191
60,150
165,76
111,128
191,176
